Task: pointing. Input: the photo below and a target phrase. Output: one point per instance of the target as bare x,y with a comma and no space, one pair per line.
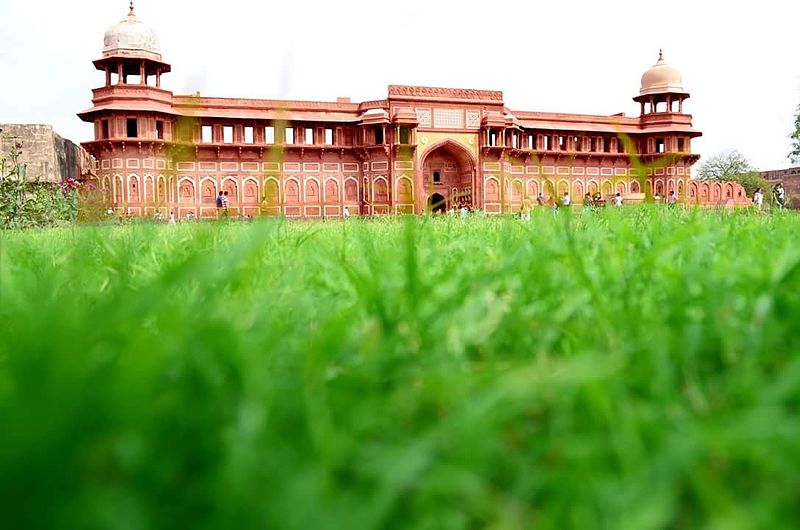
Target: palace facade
417,148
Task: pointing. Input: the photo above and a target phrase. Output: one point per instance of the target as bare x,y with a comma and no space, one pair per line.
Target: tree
794,154
734,166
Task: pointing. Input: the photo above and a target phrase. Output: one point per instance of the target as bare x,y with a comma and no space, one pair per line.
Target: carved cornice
451,93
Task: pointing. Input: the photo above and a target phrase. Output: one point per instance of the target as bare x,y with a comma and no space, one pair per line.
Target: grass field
624,369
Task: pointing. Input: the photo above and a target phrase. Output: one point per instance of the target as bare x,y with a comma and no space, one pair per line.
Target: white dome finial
131,38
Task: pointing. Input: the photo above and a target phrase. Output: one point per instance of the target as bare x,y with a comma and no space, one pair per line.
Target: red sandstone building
416,147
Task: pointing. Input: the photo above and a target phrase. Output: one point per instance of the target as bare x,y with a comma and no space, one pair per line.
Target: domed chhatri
131,38
661,78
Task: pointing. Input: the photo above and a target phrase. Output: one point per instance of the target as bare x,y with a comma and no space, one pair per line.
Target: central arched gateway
448,170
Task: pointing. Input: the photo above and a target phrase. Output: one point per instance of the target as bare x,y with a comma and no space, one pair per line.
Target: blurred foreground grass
633,369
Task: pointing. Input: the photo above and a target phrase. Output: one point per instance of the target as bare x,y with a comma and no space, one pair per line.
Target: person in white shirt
565,200
346,213
672,199
758,198
780,195
172,218
617,199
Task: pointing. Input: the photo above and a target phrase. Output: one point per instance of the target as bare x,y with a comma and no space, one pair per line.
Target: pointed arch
186,191
533,188
231,185
491,189
460,151
577,189
404,189
351,189
208,190
250,191
331,190
311,190
380,189
272,195
134,191
291,191
517,190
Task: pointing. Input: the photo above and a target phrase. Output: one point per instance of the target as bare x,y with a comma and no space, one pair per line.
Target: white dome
131,38
661,78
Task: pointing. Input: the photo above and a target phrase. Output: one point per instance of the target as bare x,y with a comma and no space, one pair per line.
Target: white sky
740,59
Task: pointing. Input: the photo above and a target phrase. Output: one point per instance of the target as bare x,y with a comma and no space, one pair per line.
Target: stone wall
791,182
46,154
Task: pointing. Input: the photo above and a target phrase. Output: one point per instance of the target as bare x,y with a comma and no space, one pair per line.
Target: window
562,143
591,144
437,177
620,146
681,145
185,129
309,136
492,138
227,134
378,135
159,130
288,136
104,132
405,136
269,135
133,128
548,141
328,136
531,142
515,140
606,145
248,135
577,143
348,136
206,134
660,145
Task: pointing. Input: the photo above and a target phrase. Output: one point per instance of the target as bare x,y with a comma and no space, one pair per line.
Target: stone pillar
108,76
158,78
142,74
120,77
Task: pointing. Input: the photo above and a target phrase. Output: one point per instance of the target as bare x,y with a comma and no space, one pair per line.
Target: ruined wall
46,154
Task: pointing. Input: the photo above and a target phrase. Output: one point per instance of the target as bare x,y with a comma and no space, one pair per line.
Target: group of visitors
778,195
222,204
462,209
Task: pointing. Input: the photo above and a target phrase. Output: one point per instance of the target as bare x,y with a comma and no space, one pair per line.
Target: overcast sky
740,59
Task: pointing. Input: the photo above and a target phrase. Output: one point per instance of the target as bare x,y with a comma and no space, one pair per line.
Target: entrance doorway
437,203
448,174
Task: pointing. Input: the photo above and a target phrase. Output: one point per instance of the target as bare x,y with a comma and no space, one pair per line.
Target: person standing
587,201
672,199
565,200
618,199
219,203
780,195
758,198
172,218
346,213
225,204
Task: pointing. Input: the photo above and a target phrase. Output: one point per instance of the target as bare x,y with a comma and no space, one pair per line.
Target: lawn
631,368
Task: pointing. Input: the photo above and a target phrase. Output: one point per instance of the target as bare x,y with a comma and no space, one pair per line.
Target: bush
27,203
